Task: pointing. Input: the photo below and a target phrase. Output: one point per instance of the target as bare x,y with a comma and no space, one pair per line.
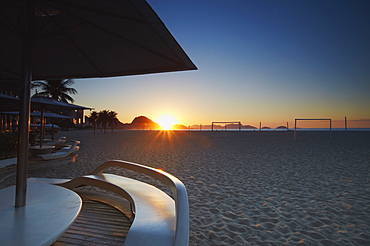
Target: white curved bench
57,143
64,152
158,219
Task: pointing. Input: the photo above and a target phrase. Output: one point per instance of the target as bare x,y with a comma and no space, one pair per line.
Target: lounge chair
58,144
158,219
63,152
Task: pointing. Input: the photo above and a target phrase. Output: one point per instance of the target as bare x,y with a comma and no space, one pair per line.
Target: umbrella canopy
59,39
43,103
38,114
38,103
51,104
10,103
46,125
84,39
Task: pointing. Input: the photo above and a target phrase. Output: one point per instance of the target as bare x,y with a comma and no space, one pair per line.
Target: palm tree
103,119
93,118
112,119
58,89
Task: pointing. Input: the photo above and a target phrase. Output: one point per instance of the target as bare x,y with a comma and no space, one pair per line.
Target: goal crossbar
225,122
295,125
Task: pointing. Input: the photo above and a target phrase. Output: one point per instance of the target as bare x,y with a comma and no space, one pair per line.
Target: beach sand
249,188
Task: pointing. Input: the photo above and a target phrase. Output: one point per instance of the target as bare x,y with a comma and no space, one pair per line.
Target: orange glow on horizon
166,121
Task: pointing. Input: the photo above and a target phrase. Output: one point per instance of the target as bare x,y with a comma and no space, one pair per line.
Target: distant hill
142,123
248,127
232,126
281,127
179,127
141,120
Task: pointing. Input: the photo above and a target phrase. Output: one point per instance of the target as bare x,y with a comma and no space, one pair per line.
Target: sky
268,61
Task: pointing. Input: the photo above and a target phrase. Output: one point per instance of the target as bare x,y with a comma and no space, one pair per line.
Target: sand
250,188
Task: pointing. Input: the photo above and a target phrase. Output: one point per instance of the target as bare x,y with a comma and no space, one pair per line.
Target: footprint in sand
313,235
269,226
231,215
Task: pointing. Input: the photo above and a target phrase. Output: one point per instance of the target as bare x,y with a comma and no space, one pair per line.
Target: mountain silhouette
142,120
142,123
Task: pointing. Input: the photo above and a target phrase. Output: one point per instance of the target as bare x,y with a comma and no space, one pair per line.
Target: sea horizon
280,129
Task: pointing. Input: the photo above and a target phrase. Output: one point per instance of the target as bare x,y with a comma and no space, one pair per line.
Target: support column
25,105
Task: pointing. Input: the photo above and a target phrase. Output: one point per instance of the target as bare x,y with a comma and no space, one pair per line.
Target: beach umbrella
85,39
38,114
47,125
38,103
59,39
51,104
50,115
41,115
46,103
9,103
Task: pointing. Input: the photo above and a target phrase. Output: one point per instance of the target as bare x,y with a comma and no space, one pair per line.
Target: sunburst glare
166,121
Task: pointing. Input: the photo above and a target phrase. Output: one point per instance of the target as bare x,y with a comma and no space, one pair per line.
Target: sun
166,121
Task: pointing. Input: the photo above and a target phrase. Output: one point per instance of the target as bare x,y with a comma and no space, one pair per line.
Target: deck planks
97,224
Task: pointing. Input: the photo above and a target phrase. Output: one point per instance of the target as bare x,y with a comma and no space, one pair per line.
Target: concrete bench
158,219
49,212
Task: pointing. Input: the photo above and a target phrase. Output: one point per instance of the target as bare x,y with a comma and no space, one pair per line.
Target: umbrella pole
42,127
52,128
24,112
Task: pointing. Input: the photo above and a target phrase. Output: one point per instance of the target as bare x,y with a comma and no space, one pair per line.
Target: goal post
227,122
295,124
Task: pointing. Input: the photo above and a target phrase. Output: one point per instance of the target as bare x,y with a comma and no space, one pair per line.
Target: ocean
290,129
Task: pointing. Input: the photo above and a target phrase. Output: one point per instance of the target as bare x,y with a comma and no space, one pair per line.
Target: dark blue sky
265,60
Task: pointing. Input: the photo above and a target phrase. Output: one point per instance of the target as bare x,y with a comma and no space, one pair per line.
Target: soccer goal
295,124
227,122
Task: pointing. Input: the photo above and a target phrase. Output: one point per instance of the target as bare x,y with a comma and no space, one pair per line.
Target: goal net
296,120
227,125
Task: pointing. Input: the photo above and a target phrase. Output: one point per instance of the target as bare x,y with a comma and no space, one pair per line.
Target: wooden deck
97,224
